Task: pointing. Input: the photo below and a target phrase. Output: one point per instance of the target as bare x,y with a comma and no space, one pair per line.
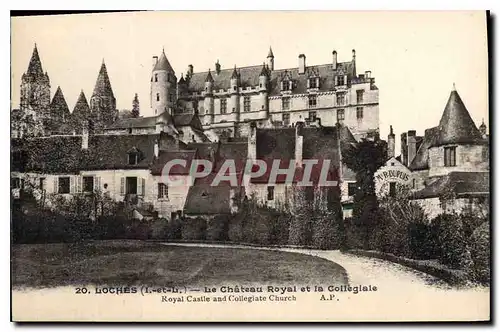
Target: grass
144,263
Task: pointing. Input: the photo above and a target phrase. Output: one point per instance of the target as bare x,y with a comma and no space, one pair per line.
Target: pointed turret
163,64
263,72
81,106
35,65
209,77
234,75
103,85
270,59
456,125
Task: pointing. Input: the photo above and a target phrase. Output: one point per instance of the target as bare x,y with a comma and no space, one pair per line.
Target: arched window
157,97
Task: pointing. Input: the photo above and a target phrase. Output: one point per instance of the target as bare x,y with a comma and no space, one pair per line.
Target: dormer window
133,156
340,80
286,85
313,83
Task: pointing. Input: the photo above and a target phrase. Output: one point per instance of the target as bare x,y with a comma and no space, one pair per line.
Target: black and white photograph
250,166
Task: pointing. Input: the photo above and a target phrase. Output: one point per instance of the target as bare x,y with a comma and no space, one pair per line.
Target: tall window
88,184
270,193
156,77
392,189
285,103
359,96
312,101
312,116
340,115
286,119
340,80
63,185
223,106
340,98
157,97
359,113
246,104
286,85
351,188
133,158
162,190
450,156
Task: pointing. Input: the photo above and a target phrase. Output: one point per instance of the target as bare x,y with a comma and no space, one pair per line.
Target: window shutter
97,183
308,83
56,185
281,85
122,186
317,82
72,184
159,190
79,184
143,185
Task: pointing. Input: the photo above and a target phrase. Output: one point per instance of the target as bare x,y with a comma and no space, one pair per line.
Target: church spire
103,85
35,65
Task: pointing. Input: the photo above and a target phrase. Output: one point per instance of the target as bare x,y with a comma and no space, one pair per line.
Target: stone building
447,169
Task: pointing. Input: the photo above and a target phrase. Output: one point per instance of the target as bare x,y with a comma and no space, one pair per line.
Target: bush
235,227
423,241
194,229
159,229
452,241
300,233
258,226
217,228
173,229
326,233
480,252
279,229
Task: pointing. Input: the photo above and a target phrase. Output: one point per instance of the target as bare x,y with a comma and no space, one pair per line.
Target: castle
210,105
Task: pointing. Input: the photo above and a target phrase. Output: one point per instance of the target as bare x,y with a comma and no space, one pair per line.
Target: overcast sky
415,57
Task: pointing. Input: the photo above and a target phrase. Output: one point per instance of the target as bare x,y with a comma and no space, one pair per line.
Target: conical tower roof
103,85
58,102
35,65
270,54
82,106
456,125
235,73
263,72
163,63
209,77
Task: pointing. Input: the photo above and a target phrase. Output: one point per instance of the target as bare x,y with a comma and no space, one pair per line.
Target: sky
415,57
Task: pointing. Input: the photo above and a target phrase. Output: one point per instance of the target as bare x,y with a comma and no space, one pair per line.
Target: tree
135,107
364,158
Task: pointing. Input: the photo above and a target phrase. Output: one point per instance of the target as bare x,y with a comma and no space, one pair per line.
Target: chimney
302,64
334,55
412,145
156,149
404,149
252,142
391,144
217,67
368,74
85,135
155,61
190,71
299,142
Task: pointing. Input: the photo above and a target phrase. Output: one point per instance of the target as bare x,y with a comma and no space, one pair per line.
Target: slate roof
179,120
456,125
58,105
166,156
463,184
249,76
103,85
203,198
421,159
163,63
35,65
141,122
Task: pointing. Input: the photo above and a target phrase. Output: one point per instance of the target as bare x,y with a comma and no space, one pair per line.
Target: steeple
456,125
35,65
270,59
163,63
103,85
58,105
270,54
81,106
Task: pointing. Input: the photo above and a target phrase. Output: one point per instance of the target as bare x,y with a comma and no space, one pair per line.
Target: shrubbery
480,252
194,229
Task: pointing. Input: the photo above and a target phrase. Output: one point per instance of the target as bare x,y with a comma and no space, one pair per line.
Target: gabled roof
249,76
421,159
203,198
35,65
462,184
103,85
456,125
163,63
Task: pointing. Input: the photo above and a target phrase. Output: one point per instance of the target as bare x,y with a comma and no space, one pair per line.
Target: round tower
263,92
235,95
163,85
209,99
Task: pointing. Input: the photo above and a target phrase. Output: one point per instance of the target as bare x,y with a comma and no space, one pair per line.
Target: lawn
142,263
